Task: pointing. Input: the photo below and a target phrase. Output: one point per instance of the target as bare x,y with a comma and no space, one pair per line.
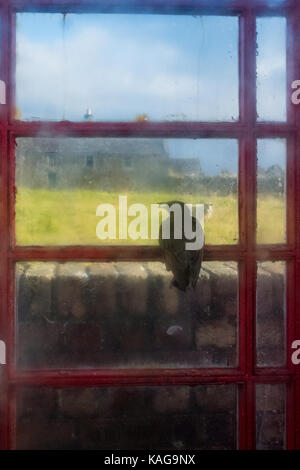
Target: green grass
270,220
66,217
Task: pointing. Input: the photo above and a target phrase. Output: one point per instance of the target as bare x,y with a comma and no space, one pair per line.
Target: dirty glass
271,191
271,69
139,67
271,314
124,315
270,416
173,418
62,181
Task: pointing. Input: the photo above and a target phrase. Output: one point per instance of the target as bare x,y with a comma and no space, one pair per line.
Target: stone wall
177,418
270,416
271,314
125,315
150,418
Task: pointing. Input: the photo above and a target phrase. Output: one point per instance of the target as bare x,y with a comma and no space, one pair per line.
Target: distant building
181,167
98,163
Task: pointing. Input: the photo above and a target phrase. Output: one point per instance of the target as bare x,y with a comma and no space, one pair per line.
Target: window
52,158
166,102
90,162
51,179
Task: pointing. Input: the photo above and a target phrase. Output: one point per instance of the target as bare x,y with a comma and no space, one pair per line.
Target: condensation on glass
271,191
138,67
270,416
119,418
124,315
271,314
271,69
61,182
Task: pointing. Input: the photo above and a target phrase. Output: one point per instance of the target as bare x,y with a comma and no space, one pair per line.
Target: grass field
66,217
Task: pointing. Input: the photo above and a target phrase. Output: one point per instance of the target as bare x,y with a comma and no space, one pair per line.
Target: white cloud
271,65
119,77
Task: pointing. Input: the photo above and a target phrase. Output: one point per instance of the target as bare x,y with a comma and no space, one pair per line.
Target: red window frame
246,253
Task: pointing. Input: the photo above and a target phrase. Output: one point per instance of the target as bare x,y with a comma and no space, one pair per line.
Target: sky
167,67
123,66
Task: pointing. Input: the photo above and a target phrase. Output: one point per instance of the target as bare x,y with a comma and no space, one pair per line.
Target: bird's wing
194,259
184,264
177,263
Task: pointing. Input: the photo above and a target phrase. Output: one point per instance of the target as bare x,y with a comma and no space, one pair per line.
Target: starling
184,264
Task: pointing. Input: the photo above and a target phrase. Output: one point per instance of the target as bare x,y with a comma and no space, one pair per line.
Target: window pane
122,418
138,67
78,315
271,314
270,416
61,181
271,69
271,191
